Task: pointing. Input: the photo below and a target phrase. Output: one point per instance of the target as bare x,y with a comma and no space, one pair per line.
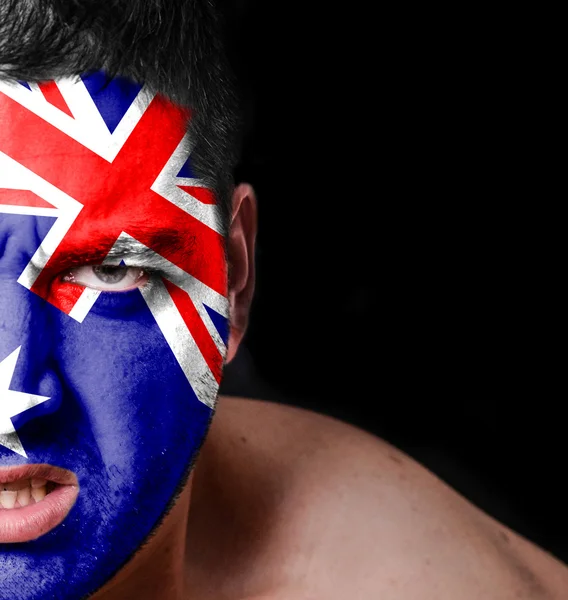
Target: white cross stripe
34,211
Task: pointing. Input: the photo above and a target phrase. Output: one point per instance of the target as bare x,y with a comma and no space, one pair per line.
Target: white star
12,404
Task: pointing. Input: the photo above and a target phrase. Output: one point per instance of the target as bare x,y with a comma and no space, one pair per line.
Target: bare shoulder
306,506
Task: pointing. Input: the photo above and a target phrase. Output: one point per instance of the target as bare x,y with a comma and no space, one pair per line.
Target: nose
28,332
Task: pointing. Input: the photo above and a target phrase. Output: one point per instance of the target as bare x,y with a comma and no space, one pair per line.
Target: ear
241,249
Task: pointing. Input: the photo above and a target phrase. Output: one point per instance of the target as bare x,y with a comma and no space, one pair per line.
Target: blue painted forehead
112,96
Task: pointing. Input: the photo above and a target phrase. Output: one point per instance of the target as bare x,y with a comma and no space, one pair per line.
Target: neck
158,570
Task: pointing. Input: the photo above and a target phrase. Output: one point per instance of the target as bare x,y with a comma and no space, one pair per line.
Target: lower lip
30,522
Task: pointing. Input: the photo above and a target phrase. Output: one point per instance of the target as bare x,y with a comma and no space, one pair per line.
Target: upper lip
38,471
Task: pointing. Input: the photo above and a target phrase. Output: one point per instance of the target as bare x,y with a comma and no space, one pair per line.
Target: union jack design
123,179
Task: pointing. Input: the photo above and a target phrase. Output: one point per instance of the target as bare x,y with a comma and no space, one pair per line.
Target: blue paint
113,97
221,323
187,170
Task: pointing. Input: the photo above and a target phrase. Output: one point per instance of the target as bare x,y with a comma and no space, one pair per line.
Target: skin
284,503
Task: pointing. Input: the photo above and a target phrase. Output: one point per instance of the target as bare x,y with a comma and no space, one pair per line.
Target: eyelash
69,276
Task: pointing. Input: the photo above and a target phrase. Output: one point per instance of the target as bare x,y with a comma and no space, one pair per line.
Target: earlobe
241,252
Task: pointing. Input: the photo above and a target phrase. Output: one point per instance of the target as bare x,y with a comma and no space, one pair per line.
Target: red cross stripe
22,198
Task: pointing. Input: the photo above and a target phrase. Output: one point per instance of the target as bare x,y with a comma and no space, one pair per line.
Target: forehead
95,138
100,132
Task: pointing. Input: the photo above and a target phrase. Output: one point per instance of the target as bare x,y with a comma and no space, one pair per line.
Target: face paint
113,324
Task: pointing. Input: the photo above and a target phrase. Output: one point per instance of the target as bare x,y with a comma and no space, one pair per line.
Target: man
126,277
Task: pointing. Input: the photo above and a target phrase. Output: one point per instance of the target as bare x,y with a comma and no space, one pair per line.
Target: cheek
131,388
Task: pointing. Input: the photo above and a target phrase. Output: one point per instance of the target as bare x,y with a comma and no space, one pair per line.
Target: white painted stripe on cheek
181,342
84,304
200,294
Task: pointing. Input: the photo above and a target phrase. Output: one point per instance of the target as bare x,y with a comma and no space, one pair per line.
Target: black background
395,288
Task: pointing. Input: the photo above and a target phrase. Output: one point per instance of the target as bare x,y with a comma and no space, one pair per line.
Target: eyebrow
162,242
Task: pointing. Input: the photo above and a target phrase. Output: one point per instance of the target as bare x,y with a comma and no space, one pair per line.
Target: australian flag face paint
113,325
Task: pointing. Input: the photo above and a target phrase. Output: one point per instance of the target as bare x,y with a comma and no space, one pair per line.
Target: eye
107,278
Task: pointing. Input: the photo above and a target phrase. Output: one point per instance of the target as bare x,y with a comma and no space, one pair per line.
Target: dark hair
174,46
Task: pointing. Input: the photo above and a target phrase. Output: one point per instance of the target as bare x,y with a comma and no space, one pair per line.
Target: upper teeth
21,493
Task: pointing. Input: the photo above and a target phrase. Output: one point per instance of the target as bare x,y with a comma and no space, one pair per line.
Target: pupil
110,274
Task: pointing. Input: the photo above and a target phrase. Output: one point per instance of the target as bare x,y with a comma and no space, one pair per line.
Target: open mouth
24,492
33,500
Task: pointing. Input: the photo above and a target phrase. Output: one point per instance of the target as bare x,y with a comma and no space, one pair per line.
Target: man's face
113,326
